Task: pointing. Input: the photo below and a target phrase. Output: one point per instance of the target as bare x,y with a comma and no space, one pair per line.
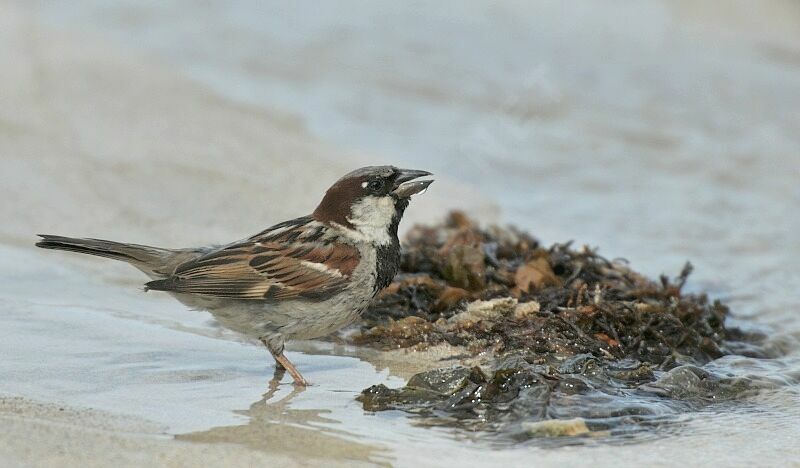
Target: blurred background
659,131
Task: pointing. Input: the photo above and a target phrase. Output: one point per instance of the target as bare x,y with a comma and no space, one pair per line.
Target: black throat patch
388,262
388,256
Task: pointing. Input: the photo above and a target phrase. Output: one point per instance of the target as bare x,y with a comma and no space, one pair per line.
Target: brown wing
266,270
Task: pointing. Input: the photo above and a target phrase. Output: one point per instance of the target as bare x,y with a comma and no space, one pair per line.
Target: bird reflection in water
274,427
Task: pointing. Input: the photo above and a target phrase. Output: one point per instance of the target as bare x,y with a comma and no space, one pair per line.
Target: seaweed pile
562,333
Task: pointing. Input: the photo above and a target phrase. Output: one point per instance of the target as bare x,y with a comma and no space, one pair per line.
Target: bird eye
375,185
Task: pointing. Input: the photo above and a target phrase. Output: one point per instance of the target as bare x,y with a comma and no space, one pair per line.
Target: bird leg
284,361
278,366
275,348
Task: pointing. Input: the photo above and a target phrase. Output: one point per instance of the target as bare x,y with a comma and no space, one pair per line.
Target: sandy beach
103,129
41,434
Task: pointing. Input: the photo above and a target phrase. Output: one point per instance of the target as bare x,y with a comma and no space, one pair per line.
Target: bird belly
293,319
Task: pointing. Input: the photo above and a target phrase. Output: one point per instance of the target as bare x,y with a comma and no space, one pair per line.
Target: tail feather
142,256
97,247
155,262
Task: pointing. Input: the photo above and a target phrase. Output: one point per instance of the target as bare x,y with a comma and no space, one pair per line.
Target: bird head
368,203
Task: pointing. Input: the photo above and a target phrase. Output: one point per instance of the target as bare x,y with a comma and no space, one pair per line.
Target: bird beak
405,185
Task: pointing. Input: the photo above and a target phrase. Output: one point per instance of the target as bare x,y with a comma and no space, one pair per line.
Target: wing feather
269,268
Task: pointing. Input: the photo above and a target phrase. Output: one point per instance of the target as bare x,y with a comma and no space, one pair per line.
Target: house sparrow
303,278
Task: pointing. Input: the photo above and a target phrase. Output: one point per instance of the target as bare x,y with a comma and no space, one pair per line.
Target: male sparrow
302,278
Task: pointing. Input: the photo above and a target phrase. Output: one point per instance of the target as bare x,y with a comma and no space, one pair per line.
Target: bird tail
146,258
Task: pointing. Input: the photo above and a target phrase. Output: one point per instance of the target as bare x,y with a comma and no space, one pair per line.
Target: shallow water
660,132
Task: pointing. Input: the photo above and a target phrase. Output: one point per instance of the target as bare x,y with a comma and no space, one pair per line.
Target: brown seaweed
565,332
499,288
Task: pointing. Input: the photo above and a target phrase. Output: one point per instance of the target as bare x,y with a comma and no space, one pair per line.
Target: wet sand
42,434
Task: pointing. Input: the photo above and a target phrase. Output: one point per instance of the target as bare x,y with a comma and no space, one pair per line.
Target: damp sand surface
662,133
